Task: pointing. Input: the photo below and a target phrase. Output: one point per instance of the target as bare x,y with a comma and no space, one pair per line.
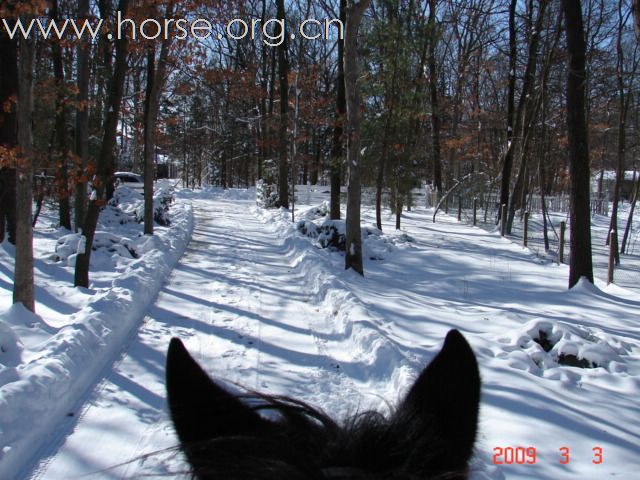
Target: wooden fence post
612,256
563,227
475,210
526,229
459,208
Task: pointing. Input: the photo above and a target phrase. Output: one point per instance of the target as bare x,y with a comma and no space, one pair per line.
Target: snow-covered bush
69,246
162,200
549,344
320,211
266,195
123,207
328,234
127,205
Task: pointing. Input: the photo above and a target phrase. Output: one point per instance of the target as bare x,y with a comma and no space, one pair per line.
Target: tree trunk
264,92
542,175
384,151
635,9
633,201
386,139
283,73
508,153
622,113
82,118
23,290
155,84
105,160
8,136
337,150
524,116
435,107
399,205
580,263
353,244
150,117
61,140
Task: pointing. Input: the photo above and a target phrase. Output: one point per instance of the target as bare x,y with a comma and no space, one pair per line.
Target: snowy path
233,280
259,306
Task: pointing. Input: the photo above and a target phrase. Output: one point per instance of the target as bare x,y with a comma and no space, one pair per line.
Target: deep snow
81,382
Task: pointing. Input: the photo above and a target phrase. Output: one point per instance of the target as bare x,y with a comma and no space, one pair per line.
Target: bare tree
105,160
353,244
433,95
524,112
8,136
623,104
337,149
283,73
635,9
82,117
580,263
156,77
507,164
23,290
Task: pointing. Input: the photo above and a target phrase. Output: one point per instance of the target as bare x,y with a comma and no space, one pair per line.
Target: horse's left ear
446,397
200,409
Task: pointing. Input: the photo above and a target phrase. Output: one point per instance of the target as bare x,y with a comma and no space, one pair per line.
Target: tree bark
622,114
433,95
635,9
61,140
353,244
511,89
580,263
23,290
633,201
337,149
155,83
150,116
283,73
82,118
8,136
105,160
524,116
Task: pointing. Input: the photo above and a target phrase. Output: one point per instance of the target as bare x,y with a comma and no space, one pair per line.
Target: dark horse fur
429,435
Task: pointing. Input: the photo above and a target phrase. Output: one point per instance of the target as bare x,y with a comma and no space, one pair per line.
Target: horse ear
446,397
200,409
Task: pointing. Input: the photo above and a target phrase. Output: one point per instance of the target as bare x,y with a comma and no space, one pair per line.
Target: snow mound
127,206
124,207
10,345
69,246
544,345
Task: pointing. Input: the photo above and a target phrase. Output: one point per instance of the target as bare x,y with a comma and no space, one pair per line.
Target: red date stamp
529,455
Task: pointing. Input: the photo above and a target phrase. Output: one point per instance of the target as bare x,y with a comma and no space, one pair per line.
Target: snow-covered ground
258,305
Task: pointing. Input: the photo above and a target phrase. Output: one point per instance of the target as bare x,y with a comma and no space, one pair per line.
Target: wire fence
625,274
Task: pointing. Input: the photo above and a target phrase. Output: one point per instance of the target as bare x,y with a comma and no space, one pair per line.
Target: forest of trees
412,92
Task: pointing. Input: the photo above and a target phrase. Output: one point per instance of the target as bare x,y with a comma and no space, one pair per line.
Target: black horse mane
256,436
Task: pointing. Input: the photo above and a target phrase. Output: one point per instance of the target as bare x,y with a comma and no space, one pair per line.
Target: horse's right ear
200,409
446,398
